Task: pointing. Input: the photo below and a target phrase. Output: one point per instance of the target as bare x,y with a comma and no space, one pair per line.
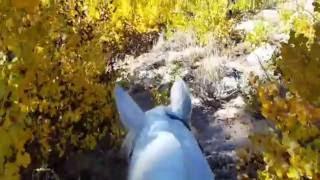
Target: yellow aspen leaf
5,143
11,171
293,173
93,8
39,49
23,159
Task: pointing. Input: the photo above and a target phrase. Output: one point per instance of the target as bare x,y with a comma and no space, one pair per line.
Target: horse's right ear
131,115
181,100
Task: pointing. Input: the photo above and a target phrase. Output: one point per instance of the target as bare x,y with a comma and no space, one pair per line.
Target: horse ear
180,100
131,115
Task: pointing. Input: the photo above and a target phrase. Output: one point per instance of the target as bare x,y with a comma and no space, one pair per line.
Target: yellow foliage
259,34
292,149
29,5
50,69
300,65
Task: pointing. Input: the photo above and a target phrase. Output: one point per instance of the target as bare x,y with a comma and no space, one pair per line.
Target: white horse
159,142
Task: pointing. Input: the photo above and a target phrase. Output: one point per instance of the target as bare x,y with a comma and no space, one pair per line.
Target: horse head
159,142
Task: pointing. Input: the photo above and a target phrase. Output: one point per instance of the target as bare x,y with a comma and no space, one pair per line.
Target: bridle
174,117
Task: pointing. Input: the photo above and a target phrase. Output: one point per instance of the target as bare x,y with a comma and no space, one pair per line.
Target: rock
260,57
229,83
279,37
195,101
246,26
269,15
237,102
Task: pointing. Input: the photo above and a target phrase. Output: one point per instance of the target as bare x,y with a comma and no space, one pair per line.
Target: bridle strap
174,117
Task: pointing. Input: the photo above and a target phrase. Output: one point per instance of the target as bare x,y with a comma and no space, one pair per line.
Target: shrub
299,65
259,35
53,101
291,149
207,18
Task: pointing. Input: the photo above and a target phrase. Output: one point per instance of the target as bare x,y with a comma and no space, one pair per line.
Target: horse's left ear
180,100
131,115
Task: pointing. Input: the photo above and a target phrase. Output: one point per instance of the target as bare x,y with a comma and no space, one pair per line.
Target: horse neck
168,151
158,154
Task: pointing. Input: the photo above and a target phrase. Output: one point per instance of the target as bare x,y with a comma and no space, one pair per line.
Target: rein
174,117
